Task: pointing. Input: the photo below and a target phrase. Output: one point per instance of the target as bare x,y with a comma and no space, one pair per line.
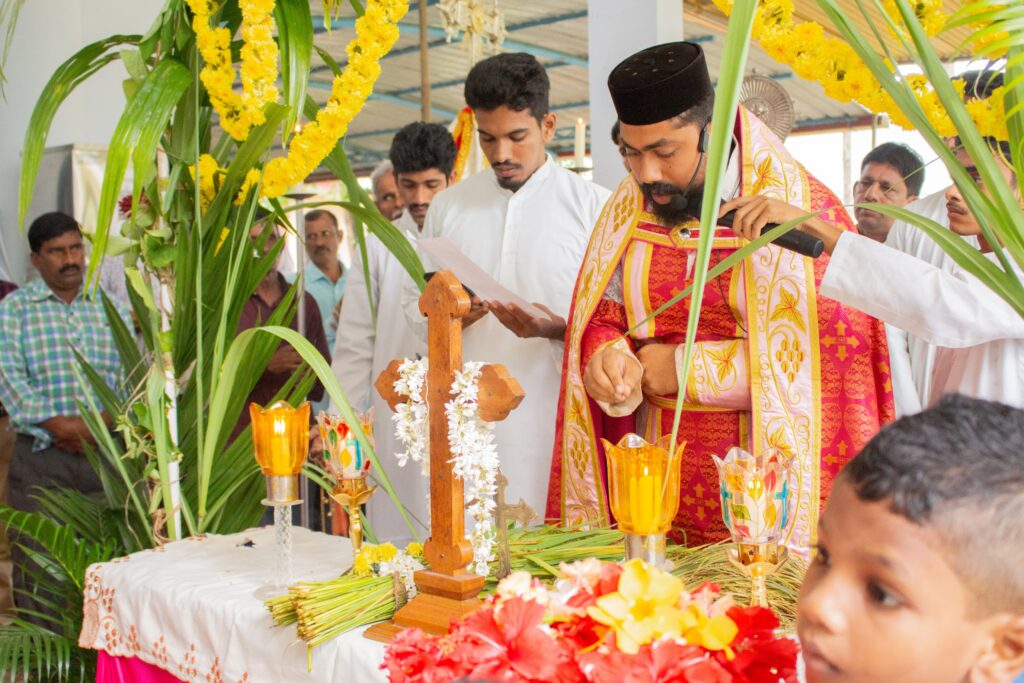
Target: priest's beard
681,208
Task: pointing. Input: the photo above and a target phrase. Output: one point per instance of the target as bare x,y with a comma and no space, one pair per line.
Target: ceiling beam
440,39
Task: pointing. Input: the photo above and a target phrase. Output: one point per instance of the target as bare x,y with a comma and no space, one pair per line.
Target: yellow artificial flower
239,113
414,549
711,633
376,33
836,66
645,607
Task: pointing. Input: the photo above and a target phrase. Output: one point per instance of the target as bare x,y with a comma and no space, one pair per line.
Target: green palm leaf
295,40
78,68
36,653
136,136
727,91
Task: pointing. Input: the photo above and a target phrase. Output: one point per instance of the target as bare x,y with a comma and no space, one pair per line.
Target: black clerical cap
660,82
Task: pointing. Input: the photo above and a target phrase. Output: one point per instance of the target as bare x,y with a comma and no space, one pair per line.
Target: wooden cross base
445,591
433,612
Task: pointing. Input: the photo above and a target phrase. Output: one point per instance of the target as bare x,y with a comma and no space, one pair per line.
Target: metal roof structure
555,31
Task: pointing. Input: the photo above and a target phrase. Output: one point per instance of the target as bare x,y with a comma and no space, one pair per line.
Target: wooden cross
446,590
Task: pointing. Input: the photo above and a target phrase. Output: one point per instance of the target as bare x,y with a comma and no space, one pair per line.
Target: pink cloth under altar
111,669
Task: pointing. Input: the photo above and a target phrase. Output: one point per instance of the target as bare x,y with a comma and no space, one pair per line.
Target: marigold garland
836,66
238,112
376,33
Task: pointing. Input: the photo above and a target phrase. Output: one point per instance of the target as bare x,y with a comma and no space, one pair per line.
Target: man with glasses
891,173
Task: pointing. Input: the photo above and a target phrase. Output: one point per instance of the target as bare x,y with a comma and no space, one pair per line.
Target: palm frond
37,653
66,555
68,76
8,20
295,38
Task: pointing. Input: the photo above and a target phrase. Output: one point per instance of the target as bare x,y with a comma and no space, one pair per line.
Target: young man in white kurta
422,157
909,354
526,221
362,350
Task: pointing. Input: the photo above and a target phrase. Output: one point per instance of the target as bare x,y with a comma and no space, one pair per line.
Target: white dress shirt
533,242
979,338
362,350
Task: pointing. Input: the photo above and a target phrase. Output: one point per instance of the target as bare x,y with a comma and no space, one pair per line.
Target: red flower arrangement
603,623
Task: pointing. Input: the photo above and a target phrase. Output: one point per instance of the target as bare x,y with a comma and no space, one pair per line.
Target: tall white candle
581,143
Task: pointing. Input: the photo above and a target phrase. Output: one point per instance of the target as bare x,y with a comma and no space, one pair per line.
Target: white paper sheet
443,252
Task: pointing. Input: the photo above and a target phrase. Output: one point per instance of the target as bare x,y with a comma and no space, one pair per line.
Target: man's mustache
70,269
660,188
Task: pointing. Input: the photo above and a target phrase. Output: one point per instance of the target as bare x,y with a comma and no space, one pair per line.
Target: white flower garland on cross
474,454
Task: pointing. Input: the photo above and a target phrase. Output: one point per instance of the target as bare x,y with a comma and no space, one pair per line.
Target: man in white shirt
385,191
891,173
527,222
979,338
422,155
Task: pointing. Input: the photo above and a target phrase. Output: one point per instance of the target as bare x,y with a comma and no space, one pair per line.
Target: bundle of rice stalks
539,550
322,610
711,563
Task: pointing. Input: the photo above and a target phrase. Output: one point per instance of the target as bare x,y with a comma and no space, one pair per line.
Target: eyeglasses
888,190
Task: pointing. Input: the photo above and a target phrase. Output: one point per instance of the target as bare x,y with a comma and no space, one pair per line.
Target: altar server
527,222
422,157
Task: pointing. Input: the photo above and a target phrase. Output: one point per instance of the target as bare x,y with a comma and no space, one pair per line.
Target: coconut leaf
727,91
68,76
136,136
295,41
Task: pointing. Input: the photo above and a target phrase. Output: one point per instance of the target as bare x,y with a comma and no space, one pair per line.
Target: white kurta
912,357
362,351
532,242
979,338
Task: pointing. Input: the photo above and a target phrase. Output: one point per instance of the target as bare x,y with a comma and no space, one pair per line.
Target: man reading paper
526,222
776,366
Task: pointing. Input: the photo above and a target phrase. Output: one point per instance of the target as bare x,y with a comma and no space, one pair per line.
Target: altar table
188,610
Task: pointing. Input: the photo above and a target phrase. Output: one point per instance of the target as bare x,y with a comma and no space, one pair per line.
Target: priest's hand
755,212
611,376
477,310
659,361
551,326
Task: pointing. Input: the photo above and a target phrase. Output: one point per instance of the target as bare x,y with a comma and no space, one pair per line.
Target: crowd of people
814,357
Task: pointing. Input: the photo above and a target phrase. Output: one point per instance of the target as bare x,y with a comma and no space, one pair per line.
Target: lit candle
280,447
581,142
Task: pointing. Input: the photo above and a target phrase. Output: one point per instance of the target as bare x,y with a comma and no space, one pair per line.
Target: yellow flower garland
834,64
376,33
238,112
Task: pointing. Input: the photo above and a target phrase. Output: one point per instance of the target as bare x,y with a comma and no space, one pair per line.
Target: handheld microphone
794,240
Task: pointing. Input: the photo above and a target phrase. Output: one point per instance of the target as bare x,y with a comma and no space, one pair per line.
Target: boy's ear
1003,657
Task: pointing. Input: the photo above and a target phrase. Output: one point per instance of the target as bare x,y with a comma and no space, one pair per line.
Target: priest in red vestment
776,364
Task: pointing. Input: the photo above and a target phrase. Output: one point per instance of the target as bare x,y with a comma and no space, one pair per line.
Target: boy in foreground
919,570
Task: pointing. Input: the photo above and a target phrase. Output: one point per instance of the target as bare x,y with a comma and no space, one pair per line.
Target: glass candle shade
755,496
643,483
343,453
280,437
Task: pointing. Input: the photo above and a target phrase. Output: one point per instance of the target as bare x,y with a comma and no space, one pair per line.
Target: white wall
47,34
618,29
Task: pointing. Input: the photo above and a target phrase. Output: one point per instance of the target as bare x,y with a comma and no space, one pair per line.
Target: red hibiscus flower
508,644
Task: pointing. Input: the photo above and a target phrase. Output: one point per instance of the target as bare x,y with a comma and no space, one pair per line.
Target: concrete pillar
48,33
617,29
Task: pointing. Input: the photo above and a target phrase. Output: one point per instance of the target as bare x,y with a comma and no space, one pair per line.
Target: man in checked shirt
41,325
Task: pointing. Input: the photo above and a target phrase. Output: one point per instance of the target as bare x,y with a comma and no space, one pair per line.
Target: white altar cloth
188,608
